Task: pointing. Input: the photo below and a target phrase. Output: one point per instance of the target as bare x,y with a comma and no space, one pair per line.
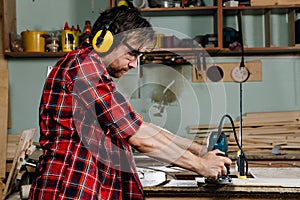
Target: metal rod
241,113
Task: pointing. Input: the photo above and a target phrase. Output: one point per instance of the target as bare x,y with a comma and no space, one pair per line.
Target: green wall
196,103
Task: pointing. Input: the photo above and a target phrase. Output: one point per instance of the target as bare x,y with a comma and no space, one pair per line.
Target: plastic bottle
78,35
86,32
75,41
67,39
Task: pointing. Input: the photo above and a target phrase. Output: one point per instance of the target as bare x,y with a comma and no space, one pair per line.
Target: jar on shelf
52,44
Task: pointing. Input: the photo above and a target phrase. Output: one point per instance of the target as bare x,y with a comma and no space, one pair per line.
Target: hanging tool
240,73
243,74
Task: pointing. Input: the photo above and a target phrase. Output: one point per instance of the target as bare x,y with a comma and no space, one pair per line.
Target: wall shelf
34,54
180,51
181,11
217,11
220,14
227,52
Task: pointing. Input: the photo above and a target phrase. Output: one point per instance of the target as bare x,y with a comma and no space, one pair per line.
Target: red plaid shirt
84,126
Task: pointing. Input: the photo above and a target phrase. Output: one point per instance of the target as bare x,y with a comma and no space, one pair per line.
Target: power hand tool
218,140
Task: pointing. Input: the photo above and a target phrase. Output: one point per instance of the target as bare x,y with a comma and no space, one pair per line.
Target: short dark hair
128,19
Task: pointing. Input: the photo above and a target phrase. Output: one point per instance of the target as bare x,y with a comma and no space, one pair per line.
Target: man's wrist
198,149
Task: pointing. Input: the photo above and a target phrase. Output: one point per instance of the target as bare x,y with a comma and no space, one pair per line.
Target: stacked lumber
261,132
19,159
12,146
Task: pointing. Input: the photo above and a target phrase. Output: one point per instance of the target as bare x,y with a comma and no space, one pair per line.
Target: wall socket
254,67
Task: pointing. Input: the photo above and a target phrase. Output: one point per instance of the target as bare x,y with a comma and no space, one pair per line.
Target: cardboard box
274,2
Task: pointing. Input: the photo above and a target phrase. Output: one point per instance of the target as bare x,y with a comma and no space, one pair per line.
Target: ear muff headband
122,3
104,39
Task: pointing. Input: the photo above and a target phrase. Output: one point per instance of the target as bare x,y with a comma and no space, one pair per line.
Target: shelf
226,51
183,51
211,10
178,51
258,10
260,7
34,54
218,12
263,51
181,11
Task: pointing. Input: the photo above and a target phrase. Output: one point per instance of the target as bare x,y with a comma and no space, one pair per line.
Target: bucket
33,41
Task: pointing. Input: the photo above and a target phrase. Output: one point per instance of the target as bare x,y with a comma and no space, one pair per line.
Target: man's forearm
184,143
165,146
162,145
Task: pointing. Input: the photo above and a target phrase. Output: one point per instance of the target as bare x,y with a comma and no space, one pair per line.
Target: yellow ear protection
122,3
104,39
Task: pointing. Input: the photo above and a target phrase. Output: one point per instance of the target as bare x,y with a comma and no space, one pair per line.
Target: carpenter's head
121,35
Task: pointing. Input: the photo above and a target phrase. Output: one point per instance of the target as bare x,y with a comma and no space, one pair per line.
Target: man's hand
214,164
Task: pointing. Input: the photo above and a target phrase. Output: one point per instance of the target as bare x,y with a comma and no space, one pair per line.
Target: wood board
25,142
3,61
274,2
3,119
254,67
8,10
12,146
251,188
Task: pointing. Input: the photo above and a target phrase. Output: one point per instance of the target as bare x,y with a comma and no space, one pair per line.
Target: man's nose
133,63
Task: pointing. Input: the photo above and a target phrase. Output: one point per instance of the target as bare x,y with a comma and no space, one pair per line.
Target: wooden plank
12,138
25,142
219,27
274,2
9,22
284,114
8,166
254,67
1,189
12,146
3,40
3,62
3,119
268,28
9,125
291,26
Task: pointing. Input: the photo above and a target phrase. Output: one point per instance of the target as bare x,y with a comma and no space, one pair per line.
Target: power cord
242,160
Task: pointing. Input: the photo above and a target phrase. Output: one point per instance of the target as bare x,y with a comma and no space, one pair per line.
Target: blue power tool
218,140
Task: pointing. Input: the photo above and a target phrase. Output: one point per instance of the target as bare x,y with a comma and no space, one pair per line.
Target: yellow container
33,41
68,40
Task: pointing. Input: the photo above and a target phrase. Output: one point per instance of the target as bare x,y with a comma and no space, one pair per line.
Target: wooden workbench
266,183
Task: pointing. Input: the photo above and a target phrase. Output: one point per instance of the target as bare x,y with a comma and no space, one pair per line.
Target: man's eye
135,53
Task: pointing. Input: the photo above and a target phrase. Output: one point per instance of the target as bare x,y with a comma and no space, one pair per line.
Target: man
87,128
